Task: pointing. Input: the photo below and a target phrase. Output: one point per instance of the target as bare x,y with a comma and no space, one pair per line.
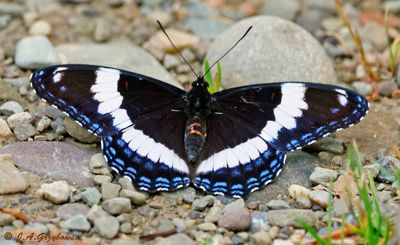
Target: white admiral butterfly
162,138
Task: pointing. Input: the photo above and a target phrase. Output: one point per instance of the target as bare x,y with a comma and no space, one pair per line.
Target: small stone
125,241
58,126
384,196
375,34
165,225
56,192
12,8
107,227
10,107
200,204
193,214
301,195
179,224
323,175
372,169
176,239
386,88
137,198
320,197
285,9
110,190
259,222
337,160
77,223
11,180
100,179
387,164
18,119
362,88
207,227
117,205
40,27
35,52
239,203
213,215
78,132
238,219
69,210
289,217
97,161
261,238
277,204
126,228
5,131
170,61
125,183
91,196
96,212
340,208
24,131
43,123
328,144
6,219
148,212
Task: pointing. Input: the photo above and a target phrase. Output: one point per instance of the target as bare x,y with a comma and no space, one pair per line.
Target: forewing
249,122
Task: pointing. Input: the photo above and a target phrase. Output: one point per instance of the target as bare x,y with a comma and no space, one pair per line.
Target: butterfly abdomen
195,136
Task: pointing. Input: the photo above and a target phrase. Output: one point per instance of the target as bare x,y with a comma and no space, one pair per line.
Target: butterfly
162,138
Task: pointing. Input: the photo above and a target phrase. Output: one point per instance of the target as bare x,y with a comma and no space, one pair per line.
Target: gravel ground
53,177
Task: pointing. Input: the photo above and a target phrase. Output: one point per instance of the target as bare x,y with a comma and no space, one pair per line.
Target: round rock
78,132
117,205
91,196
10,107
77,223
57,192
274,50
5,131
11,180
107,227
35,52
238,219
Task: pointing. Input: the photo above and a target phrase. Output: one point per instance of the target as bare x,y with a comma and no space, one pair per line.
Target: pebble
77,223
285,9
10,107
372,169
100,179
56,192
201,203
387,164
58,126
78,132
277,204
171,61
213,215
127,56
24,131
91,196
97,162
374,33
259,221
125,183
323,175
107,227
110,190
43,123
236,219
137,198
261,238
179,224
40,27
6,219
126,227
340,208
125,241
11,180
146,211
327,144
301,195
53,112
239,203
35,52
207,227
386,88
117,205
12,8
320,197
96,212
176,239
103,30
19,118
362,88
5,131
267,37
289,217
193,214
56,160
68,210
165,225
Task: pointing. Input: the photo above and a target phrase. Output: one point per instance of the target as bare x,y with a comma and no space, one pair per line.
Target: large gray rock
57,160
35,52
124,56
274,50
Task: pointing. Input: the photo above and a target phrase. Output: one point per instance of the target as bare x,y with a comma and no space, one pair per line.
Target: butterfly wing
252,127
132,113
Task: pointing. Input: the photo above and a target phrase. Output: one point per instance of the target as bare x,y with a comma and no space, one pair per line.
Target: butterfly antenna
163,30
238,41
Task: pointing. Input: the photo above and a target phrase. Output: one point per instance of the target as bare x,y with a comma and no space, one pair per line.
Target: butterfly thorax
197,109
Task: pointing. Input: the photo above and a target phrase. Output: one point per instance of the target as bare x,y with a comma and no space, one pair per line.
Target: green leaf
219,77
208,77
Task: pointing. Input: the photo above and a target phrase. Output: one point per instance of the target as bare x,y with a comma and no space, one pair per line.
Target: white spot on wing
110,105
342,100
